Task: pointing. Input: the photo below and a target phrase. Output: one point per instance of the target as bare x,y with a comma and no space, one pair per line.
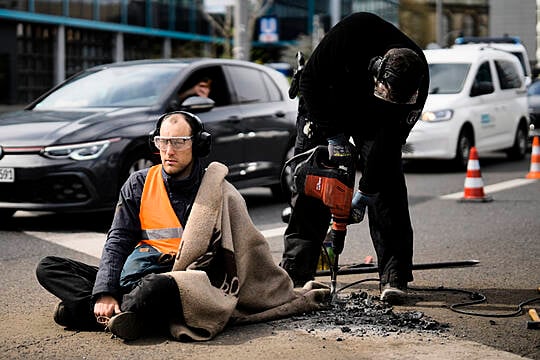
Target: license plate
7,175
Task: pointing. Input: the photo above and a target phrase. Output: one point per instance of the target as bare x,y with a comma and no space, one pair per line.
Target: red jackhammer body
315,176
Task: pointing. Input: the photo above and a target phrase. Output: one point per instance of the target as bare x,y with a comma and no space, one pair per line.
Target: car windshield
447,78
139,85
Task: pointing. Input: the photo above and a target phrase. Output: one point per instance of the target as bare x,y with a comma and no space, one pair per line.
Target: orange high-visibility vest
160,226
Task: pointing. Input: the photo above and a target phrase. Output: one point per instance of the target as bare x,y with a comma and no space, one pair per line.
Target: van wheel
463,149
518,150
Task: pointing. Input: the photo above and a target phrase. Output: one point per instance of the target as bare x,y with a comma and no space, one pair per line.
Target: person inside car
202,88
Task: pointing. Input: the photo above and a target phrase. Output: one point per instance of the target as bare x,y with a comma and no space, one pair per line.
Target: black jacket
337,89
125,231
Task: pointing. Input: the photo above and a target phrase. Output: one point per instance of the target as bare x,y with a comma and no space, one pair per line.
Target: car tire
138,160
519,148
463,149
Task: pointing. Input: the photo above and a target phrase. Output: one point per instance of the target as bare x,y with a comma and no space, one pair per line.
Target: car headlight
83,151
440,115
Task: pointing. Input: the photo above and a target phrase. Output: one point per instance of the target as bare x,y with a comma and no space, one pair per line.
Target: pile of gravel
359,314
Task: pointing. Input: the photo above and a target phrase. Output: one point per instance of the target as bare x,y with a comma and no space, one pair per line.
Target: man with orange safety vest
144,237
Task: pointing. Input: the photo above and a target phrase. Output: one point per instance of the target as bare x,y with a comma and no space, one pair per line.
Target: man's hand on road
107,306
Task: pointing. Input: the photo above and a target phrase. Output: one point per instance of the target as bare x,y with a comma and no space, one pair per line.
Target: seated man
201,88
182,253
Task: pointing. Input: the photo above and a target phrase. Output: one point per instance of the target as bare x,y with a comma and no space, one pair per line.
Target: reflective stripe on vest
160,226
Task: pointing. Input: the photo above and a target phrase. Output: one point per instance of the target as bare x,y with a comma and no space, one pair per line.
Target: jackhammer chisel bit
337,234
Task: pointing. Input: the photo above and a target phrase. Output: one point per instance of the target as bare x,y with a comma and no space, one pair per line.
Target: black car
73,147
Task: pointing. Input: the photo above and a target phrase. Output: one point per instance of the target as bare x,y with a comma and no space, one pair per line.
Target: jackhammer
315,176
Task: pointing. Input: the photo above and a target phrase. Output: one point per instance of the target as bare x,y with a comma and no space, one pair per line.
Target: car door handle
280,113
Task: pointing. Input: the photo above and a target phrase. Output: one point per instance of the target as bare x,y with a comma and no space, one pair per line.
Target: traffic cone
474,186
534,172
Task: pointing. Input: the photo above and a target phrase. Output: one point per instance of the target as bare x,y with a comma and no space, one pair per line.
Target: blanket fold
224,269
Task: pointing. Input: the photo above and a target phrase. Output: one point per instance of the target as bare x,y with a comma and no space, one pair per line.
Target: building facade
47,41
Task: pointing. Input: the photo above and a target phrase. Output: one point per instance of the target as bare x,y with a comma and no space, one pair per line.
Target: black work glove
358,206
339,149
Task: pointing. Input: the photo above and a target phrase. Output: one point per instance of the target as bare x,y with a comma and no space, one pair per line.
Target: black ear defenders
202,140
377,66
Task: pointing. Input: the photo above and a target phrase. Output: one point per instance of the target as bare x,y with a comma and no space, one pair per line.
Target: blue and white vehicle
477,97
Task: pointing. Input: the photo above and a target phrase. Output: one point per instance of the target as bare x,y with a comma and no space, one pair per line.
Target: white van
477,97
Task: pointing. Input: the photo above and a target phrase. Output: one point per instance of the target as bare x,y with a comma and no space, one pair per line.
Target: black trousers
389,223
155,298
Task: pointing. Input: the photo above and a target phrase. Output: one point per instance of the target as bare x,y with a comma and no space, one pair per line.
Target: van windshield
447,78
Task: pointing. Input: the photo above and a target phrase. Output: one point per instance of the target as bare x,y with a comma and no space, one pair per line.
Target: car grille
54,189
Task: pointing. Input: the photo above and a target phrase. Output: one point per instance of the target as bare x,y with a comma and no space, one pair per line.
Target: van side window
483,81
508,74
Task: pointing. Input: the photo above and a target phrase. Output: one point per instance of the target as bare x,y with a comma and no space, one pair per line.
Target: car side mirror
197,104
482,88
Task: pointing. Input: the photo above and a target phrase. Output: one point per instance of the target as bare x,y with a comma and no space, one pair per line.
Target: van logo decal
485,119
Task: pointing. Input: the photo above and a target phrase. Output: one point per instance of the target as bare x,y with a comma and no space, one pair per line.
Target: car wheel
135,162
283,191
518,150
463,149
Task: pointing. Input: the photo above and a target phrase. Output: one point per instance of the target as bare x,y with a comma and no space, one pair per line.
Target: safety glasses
176,142
384,91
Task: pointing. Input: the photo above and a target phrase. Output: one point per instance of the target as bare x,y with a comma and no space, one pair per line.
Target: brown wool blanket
224,269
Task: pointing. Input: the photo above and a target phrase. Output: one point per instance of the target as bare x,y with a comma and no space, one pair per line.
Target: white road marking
91,243
505,185
274,232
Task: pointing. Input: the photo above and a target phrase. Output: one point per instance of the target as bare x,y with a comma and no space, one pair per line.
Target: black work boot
76,316
151,305
393,292
60,314
127,325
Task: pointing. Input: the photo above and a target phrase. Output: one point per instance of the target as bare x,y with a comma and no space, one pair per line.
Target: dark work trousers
72,282
389,222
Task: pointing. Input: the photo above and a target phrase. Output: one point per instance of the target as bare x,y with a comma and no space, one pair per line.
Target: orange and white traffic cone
534,172
474,185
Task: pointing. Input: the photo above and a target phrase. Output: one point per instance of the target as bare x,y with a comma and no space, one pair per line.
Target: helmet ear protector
202,140
377,66
388,85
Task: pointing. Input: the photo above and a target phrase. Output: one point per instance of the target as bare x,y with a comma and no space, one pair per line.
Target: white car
477,97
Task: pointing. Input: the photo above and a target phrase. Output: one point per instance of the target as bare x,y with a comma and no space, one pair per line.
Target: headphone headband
202,140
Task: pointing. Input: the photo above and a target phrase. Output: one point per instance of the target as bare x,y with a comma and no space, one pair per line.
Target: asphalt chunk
361,314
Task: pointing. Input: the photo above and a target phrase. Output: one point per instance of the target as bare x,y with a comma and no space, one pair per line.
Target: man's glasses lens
176,142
